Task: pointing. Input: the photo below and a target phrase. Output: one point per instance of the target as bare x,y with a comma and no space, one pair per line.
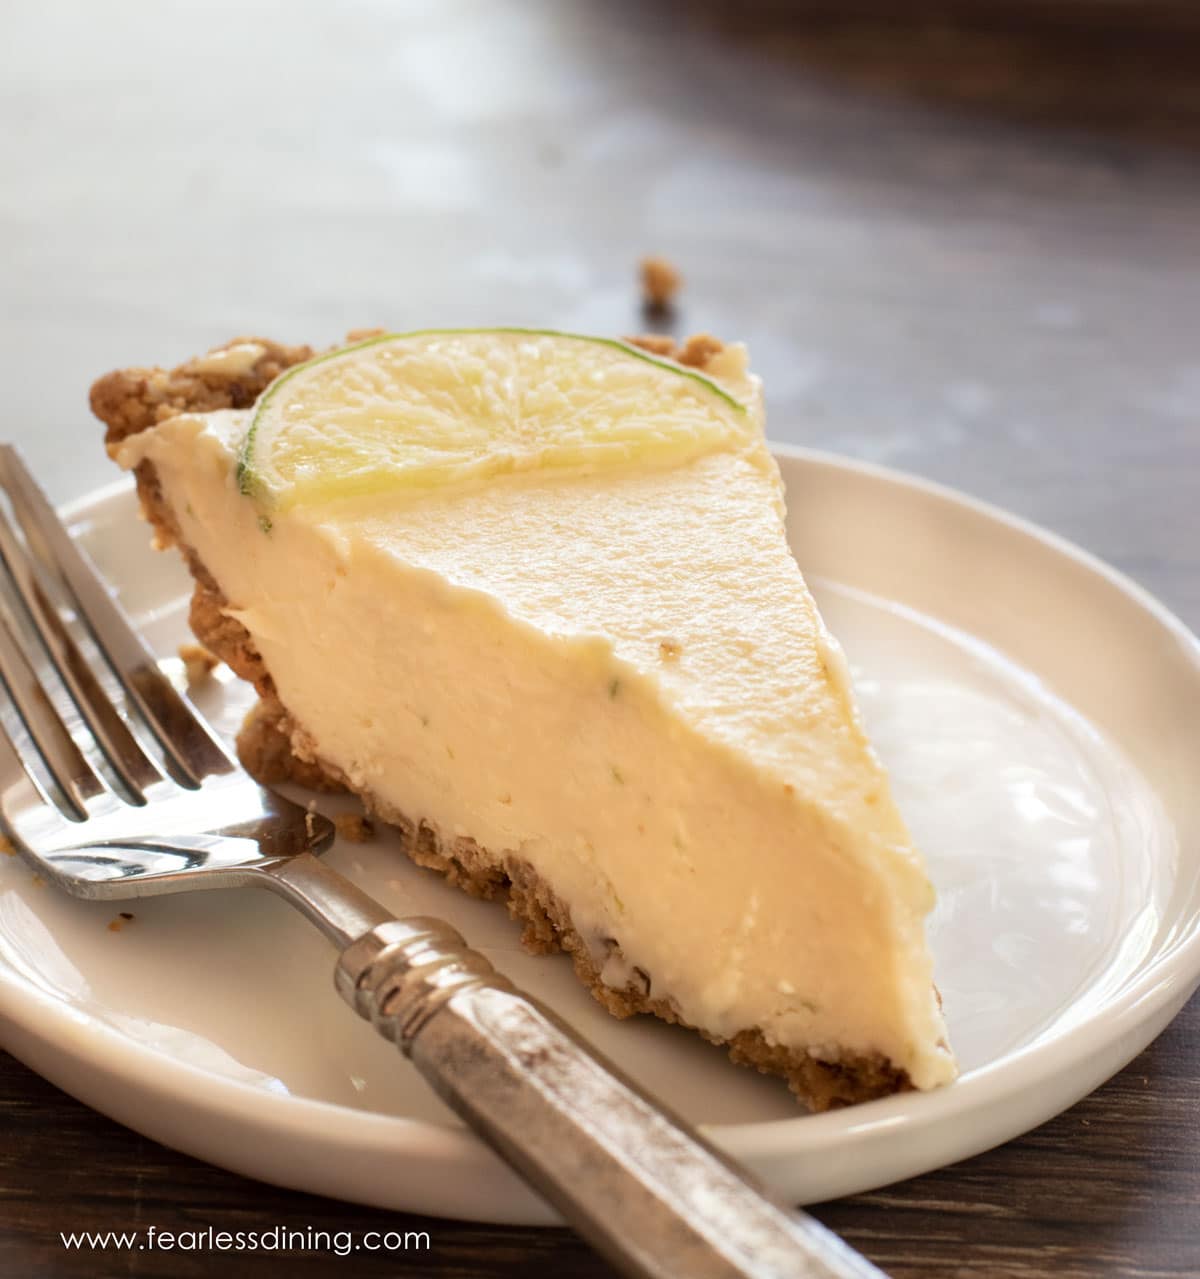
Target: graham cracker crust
275,749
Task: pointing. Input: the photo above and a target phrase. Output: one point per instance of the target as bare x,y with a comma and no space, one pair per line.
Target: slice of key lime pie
529,595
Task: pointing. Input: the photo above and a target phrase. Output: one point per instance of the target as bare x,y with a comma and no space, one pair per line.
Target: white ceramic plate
1039,714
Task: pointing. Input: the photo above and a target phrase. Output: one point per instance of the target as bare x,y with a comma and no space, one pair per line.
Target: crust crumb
265,748
130,400
670,650
198,662
354,827
661,281
699,349
695,351
655,343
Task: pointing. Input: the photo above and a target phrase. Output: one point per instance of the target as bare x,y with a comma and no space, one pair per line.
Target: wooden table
964,243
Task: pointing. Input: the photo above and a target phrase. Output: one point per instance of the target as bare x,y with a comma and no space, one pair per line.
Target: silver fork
110,805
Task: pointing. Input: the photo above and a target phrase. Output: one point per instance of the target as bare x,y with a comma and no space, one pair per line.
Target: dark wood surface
961,239
1112,1187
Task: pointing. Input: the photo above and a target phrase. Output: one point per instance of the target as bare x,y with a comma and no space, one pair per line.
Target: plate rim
1133,1015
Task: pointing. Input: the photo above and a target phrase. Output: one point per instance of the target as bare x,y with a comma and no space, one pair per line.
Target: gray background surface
925,278
960,238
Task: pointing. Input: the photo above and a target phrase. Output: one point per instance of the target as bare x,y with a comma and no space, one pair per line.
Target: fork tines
55,607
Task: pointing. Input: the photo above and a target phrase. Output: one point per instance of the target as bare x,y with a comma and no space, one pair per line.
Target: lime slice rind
473,422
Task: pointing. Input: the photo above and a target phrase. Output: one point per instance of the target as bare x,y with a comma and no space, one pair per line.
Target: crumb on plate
354,827
661,281
198,662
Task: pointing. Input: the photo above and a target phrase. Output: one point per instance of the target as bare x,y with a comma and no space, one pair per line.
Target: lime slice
416,411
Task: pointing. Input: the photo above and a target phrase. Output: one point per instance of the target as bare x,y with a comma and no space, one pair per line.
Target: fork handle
635,1180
